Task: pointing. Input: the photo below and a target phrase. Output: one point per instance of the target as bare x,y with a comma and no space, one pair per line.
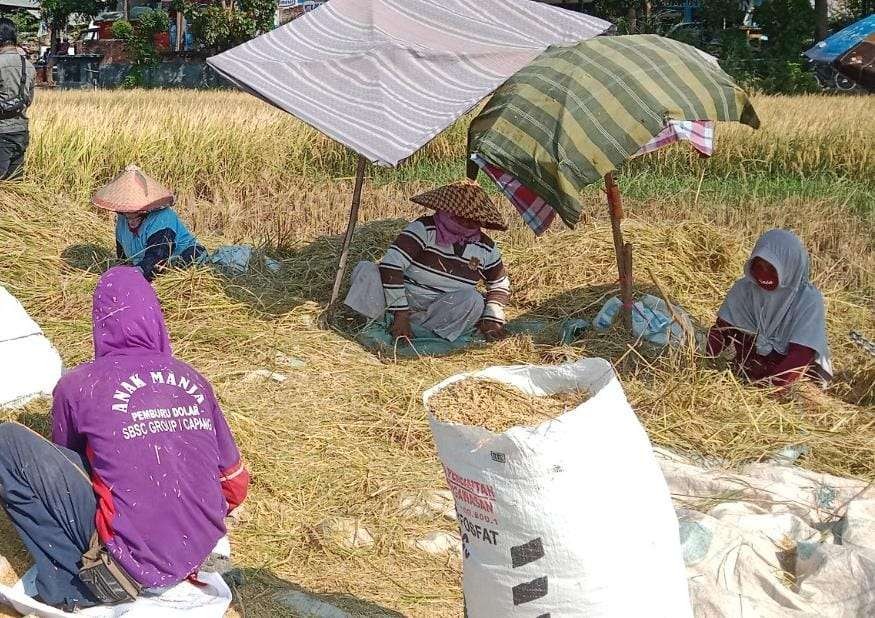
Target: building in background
287,10
31,6
687,8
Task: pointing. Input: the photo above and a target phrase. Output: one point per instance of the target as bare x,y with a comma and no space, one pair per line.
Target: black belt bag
107,581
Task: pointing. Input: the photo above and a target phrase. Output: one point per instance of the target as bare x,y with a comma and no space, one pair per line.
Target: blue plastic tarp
835,45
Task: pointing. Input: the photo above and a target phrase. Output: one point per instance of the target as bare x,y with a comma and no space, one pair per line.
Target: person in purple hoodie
142,468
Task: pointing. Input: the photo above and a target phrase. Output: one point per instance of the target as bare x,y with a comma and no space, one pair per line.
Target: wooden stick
627,284
624,265
615,211
674,316
350,228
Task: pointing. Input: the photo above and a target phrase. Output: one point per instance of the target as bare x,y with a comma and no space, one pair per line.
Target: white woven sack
29,364
569,518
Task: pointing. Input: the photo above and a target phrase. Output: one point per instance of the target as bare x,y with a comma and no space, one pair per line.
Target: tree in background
58,12
221,26
718,15
630,16
850,11
821,14
262,12
722,20
140,44
26,25
789,24
776,67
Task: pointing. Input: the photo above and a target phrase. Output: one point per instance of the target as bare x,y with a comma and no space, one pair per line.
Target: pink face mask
450,231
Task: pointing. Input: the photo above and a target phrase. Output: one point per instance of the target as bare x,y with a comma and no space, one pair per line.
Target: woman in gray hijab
774,317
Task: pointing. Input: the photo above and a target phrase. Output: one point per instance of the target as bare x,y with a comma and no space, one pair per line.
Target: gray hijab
792,313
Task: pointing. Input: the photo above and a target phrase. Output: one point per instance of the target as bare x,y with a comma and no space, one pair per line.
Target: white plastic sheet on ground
773,540
184,600
568,518
29,364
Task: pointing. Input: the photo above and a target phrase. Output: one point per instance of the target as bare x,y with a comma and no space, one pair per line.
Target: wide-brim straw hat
133,191
466,199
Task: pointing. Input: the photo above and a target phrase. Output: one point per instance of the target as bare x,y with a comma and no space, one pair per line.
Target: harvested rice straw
497,406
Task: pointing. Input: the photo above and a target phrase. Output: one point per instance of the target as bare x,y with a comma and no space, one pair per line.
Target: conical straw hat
133,191
464,199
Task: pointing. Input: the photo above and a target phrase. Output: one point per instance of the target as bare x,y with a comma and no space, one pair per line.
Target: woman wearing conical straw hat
774,317
429,275
148,232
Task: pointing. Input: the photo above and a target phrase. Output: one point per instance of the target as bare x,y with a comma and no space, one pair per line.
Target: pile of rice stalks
497,407
697,406
346,435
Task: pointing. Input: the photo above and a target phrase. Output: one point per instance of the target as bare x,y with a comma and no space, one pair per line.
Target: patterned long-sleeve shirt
416,264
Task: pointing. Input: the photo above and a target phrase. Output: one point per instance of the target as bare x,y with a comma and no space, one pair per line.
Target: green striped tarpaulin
577,113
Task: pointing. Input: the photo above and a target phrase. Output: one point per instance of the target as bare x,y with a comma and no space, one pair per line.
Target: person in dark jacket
148,232
17,77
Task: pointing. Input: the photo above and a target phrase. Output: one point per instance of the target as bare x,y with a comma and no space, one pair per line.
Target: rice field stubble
346,434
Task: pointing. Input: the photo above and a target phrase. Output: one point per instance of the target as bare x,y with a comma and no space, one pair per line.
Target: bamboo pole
621,249
626,285
350,228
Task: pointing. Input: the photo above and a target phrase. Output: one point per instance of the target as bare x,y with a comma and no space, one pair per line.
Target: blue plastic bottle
173,34
608,313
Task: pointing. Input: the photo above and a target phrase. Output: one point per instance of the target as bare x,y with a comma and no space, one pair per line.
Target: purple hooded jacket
162,456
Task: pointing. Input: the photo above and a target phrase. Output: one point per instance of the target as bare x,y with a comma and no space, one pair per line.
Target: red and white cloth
700,134
539,215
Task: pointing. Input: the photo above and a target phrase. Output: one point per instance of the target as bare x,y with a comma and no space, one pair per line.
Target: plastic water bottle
608,313
173,36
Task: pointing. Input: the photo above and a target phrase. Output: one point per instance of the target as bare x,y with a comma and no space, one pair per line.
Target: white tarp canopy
384,77
20,4
29,365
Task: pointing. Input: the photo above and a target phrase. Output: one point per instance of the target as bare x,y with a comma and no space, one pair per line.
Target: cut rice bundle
497,406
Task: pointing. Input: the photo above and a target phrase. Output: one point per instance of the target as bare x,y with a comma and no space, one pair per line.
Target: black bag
16,105
107,581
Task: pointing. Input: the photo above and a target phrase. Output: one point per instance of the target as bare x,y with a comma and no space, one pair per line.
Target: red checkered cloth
700,134
537,213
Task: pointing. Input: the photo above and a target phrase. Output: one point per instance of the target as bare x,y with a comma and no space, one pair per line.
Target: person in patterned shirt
429,275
